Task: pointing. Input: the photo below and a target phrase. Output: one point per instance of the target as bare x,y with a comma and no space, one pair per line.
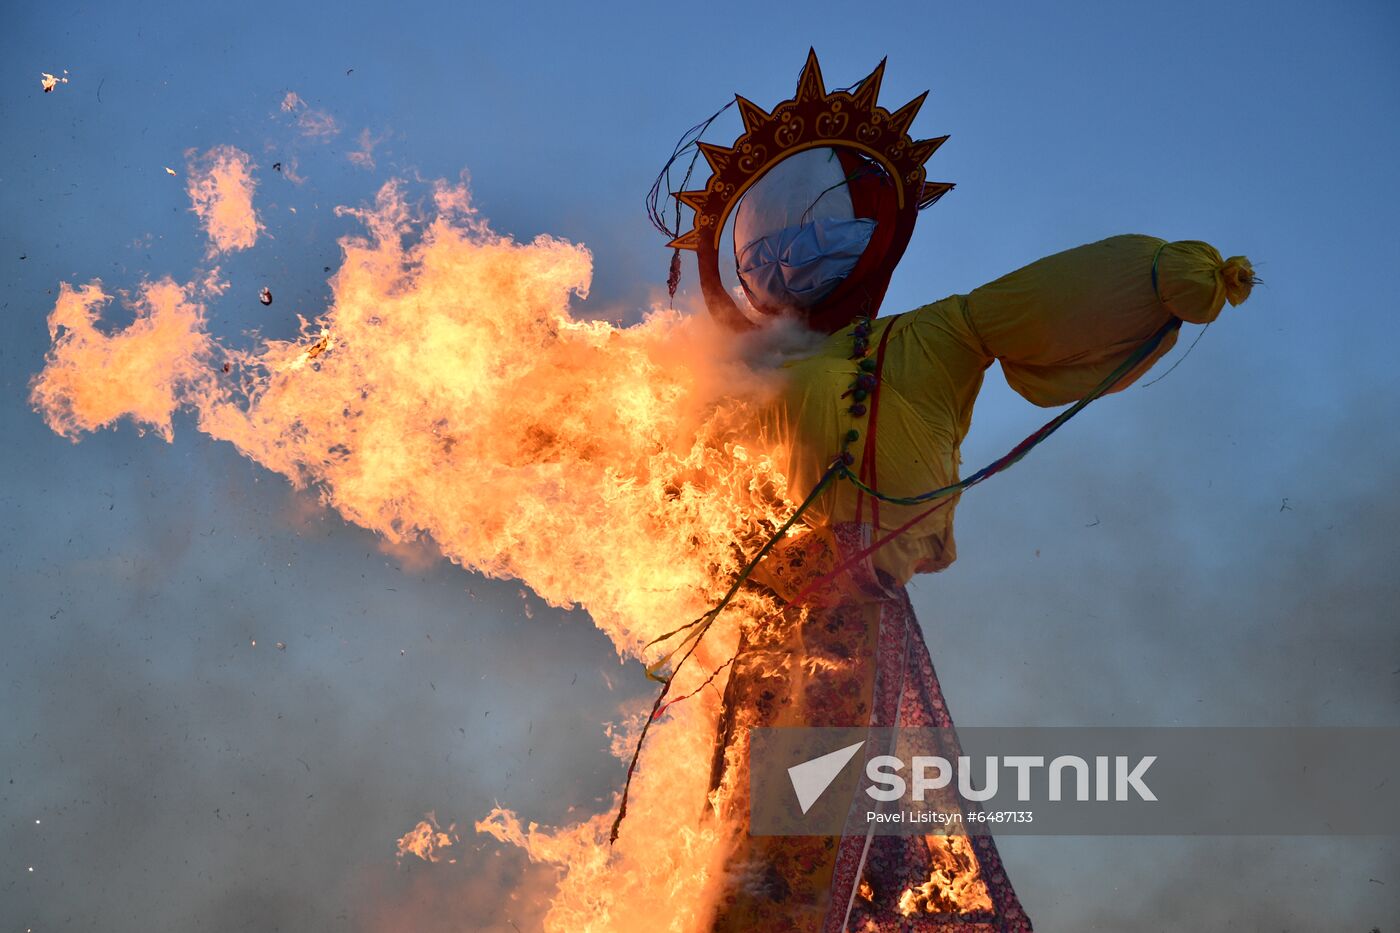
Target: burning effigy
775,471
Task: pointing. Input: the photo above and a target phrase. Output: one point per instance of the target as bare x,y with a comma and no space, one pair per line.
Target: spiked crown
850,121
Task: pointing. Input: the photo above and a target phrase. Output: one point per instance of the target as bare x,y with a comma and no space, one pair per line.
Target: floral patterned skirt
860,660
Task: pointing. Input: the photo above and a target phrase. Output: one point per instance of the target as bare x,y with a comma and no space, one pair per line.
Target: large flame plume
449,394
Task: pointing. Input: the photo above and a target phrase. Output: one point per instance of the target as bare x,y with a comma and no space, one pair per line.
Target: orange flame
142,372
313,123
449,394
427,840
364,155
954,886
221,191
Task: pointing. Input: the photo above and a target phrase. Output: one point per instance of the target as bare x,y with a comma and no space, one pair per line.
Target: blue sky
1218,548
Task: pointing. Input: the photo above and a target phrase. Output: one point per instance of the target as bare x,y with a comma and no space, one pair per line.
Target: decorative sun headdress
884,176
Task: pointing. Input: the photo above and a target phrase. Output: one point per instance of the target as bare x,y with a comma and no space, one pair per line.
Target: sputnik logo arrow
811,778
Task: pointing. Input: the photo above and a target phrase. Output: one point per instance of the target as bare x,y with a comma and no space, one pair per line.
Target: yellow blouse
1058,326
